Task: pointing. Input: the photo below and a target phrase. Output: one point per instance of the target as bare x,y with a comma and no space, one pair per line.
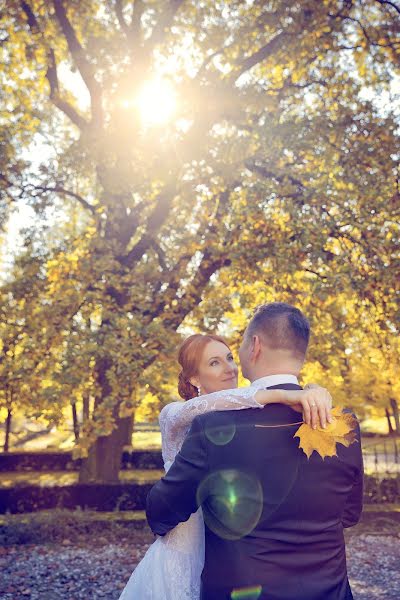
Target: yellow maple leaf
323,441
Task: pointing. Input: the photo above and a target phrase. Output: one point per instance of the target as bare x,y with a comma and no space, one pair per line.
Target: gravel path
100,567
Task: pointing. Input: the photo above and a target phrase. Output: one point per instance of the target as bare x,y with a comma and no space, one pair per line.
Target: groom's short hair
281,326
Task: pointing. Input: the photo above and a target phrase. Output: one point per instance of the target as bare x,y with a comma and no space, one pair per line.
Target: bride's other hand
316,404
314,401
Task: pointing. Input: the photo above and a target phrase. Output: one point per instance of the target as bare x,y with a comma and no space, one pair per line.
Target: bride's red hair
190,353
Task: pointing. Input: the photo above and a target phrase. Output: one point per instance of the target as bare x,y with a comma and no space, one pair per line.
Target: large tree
277,158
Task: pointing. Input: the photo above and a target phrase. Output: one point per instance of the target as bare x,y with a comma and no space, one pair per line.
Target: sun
156,102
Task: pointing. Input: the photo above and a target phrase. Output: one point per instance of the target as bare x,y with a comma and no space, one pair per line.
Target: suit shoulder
208,418
217,417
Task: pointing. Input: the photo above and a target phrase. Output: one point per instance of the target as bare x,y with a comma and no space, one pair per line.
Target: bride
172,566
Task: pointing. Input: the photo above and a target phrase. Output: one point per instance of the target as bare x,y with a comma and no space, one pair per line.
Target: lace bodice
175,418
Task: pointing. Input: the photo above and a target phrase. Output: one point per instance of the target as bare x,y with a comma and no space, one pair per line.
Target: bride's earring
198,391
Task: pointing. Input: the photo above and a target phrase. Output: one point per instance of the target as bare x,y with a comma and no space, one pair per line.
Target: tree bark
85,407
104,460
390,426
75,421
395,410
8,430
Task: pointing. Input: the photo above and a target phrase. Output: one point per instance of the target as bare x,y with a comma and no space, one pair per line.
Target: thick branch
55,97
138,9
163,24
209,231
84,66
209,266
51,73
154,224
261,54
118,11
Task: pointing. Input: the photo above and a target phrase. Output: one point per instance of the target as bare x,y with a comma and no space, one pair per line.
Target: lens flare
247,593
222,430
232,502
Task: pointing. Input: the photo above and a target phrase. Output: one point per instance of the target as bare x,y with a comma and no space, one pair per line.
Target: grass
61,478
54,526
81,526
64,440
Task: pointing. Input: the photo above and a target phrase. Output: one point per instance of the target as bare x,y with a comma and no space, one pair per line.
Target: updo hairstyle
189,356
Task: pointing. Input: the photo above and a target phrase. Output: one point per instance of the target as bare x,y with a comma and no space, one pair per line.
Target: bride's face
217,369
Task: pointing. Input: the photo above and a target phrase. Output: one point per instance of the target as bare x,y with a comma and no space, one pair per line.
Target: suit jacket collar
273,380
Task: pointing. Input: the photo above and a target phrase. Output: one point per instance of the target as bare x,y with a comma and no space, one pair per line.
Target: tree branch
138,10
261,54
209,265
154,224
51,73
55,97
60,190
120,16
84,66
210,229
160,254
163,24
387,3
264,172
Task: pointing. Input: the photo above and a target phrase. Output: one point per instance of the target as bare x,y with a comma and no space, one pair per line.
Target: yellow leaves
323,441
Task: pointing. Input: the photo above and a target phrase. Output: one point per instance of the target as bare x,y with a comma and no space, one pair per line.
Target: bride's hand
315,402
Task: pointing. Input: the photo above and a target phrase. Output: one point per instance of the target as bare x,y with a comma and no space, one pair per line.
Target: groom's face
244,355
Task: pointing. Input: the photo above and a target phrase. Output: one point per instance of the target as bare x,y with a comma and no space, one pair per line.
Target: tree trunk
75,421
390,426
8,430
104,460
85,407
395,410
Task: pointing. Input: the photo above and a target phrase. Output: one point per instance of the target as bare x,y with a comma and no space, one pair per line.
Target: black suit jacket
273,518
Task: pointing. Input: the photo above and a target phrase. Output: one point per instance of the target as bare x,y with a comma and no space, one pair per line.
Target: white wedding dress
172,566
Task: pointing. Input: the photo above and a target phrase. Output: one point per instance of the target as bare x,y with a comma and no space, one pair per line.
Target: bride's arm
315,403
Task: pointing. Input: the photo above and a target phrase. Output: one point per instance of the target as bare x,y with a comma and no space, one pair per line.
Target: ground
98,566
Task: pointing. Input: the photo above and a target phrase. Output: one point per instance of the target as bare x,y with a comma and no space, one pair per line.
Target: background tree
277,160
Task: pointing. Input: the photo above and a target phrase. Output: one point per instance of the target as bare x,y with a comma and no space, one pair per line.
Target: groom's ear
256,347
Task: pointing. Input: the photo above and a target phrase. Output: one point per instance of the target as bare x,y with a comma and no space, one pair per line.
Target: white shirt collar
270,380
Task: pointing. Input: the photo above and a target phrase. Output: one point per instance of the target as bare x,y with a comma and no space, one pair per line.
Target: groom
273,518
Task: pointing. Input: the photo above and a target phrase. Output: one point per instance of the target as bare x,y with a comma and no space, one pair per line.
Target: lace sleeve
176,417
